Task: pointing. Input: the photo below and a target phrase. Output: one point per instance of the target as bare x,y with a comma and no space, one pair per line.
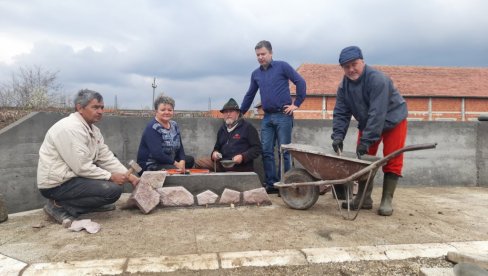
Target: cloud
201,50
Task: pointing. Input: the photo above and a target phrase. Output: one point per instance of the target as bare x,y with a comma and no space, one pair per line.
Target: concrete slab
474,247
9,266
216,182
406,251
436,271
92,267
262,258
173,263
327,255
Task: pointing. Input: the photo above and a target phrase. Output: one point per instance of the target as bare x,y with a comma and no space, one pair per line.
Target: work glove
361,149
337,145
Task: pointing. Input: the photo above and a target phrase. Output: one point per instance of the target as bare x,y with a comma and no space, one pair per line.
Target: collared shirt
274,88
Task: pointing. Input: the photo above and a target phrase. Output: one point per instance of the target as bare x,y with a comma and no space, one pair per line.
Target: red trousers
393,139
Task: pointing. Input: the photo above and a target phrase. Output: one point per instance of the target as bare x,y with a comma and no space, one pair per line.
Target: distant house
432,93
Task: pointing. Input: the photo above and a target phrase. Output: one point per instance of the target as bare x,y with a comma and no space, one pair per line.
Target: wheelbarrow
299,188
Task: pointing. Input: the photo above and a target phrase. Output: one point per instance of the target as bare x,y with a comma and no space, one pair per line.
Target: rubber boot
390,181
368,201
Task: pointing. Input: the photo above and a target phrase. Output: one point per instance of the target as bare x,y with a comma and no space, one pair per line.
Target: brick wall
441,108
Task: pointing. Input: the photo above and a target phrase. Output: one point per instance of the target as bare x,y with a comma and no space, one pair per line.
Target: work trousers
81,195
393,139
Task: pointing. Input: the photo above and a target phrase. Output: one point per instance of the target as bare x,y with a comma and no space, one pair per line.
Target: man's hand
134,180
289,109
337,145
180,165
119,178
216,155
237,159
361,149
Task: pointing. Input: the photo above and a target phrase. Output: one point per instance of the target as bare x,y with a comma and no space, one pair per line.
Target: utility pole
154,89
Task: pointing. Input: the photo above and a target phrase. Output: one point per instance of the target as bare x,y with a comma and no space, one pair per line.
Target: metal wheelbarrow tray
299,188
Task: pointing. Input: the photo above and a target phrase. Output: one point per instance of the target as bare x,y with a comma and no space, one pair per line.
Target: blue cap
350,53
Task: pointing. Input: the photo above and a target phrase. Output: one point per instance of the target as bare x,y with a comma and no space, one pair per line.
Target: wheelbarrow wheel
302,197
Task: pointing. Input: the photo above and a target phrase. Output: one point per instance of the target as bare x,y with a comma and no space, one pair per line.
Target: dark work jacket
374,102
244,139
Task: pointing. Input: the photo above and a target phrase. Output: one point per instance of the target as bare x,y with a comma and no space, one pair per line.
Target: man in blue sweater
272,79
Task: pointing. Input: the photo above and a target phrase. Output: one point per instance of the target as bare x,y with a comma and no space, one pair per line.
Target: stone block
145,197
3,209
256,196
154,178
215,182
230,196
207,197
175,196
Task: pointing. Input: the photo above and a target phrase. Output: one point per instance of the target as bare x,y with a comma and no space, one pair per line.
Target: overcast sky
203,51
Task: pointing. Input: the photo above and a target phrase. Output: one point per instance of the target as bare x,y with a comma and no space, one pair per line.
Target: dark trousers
82,195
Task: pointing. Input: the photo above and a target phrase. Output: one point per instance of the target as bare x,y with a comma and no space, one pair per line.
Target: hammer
133,168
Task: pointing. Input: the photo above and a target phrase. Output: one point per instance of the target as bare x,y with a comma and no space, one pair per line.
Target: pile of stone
150,193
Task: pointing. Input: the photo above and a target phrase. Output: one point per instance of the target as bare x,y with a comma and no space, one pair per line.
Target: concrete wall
459,160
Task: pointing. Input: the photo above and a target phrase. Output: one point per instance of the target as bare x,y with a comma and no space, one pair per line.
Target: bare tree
31,87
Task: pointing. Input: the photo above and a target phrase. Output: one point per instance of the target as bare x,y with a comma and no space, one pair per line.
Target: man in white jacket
77,172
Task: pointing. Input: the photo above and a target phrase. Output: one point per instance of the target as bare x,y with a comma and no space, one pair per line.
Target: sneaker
104,208
59,214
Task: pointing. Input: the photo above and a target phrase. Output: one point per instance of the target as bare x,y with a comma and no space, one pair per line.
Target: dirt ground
422,215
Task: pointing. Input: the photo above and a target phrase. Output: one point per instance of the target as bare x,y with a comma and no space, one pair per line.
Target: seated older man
237,140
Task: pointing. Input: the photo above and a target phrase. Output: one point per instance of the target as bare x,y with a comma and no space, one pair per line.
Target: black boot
368,201
390,181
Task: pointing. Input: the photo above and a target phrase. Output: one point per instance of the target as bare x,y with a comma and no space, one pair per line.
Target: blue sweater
274,88
160,146
374,102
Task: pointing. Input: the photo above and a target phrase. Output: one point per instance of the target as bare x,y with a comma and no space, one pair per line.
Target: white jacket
72,149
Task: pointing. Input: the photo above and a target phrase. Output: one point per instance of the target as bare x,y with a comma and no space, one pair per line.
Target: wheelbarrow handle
408,148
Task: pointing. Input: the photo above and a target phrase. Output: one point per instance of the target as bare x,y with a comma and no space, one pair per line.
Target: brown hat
230,105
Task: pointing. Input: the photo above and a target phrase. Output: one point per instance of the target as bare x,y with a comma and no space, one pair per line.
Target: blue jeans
82,195
275,127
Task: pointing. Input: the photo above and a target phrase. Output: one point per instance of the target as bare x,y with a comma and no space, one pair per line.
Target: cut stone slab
9,266
145,197
207,197
209,261
462,257
215,182
436,271
154,178
92,267
3,209
256,196
230,196
262,258
175,196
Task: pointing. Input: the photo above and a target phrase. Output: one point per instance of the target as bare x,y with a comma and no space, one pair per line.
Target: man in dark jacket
381,112
237,140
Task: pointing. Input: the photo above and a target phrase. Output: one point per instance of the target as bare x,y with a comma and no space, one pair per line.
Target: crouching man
237,140
77,172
